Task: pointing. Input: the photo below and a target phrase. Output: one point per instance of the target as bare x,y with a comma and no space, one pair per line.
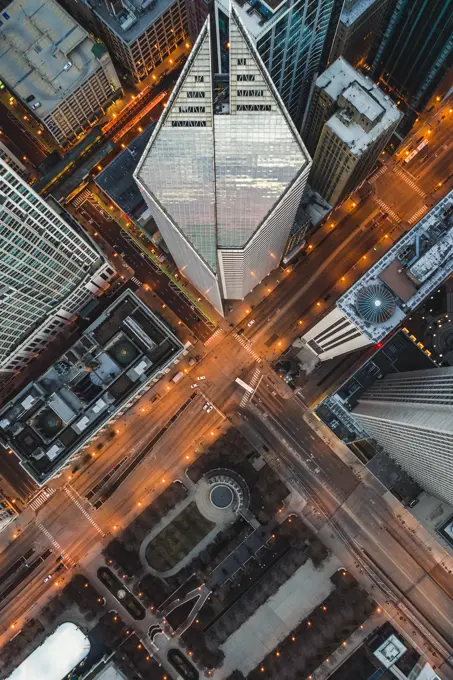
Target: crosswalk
215,335
388,210
416,216
55,543
253,383
85,195
406,177
72,495
377,174
41,498
136,281
247,345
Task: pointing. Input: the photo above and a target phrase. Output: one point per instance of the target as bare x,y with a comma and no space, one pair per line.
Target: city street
133,460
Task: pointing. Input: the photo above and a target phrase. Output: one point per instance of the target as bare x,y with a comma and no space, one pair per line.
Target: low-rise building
55,67
140,34
116,359
351,122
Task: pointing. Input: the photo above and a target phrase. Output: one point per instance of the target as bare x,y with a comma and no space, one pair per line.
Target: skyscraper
54,66
411,416
48,271
351,121
361,21
415,52
293,38
224,171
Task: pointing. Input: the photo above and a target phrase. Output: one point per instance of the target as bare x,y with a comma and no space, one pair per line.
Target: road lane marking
41,498
72,495
54,542
416,216
253,383
246,344
387,209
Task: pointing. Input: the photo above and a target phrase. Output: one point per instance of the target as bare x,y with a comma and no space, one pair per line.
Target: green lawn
174,542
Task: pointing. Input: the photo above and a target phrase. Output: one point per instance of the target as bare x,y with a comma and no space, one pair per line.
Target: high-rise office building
411,416
55,67
48,272
224,171
141,34
361,21
293,38
351,121
394,286
415,52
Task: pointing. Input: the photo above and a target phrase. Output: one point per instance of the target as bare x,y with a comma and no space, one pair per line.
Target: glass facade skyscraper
48,271
410,416
231,171
293,38
415,52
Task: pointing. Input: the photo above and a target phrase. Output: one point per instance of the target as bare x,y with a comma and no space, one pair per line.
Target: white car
48,577
250,323
205,407
201,377
194,385
209,409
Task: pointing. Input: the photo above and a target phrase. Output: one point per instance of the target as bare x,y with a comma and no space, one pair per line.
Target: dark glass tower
415,52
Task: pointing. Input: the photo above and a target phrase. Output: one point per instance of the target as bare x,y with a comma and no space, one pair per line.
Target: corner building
224,171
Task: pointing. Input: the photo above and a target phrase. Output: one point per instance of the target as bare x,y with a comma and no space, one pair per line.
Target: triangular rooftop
220,159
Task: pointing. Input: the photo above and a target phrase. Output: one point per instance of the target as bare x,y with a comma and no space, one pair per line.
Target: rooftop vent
375,304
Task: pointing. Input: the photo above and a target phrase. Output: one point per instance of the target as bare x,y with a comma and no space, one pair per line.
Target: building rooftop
256,15
131,19
45,54
351,15
257,157
364,111
50,419
56,657
117,180
410,271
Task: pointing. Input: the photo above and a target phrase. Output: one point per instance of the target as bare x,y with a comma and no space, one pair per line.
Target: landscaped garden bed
177,539
234,452
122,594
123,552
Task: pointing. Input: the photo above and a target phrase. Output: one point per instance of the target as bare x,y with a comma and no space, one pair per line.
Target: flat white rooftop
56,657
354,91
45,54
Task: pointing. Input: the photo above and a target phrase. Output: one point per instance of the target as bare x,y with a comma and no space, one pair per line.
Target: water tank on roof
375,303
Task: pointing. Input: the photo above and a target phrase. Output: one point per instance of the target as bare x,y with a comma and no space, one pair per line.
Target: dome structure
375,303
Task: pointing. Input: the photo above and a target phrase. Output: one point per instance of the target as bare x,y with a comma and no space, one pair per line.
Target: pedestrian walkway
387,209
217,334
55,543
81,198
377,174
407,177
247,345
41,498
73,496
136,281
416,216
253,383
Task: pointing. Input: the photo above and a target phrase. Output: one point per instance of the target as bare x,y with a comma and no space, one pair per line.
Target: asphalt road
357,515
20,137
